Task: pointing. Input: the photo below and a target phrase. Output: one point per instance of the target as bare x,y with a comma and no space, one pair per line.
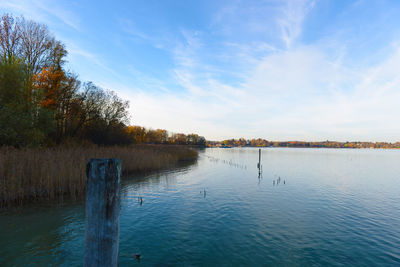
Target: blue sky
275,69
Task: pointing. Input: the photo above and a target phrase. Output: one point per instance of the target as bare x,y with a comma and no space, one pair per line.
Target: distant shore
300,144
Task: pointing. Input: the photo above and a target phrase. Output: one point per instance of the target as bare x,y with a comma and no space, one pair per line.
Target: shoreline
345,148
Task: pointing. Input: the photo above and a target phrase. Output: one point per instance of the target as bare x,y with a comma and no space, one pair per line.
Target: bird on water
137,256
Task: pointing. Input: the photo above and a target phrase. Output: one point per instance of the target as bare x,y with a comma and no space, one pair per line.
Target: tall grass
52,173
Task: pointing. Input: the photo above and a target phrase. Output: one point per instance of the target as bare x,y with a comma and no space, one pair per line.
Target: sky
309,70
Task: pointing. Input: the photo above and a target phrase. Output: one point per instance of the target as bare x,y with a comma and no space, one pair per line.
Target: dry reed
51,173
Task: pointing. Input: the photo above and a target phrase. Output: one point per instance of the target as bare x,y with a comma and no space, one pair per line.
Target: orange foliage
49,81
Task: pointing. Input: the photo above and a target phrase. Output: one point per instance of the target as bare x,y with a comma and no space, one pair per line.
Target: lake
331,207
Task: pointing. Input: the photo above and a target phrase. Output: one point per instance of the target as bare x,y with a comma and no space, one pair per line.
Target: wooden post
102,212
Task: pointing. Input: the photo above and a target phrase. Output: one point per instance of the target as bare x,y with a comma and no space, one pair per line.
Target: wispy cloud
297,92
292,17
301,94
129,27
90,57
45,11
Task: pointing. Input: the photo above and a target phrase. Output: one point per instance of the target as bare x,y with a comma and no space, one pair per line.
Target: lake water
331,207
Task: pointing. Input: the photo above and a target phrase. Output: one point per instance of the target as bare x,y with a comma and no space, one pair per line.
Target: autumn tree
24,47
137,134
21,122
161,136
58,92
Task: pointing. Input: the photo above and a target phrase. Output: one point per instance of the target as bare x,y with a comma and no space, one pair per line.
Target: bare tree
36,45
114,109
30,42
10,38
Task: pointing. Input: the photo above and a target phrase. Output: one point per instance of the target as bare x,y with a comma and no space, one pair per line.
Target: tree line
141,135
43,103
241,142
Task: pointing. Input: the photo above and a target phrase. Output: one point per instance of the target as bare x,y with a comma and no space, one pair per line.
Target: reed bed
30,174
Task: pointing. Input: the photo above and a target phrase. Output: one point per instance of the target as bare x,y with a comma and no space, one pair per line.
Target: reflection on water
41,236
301,207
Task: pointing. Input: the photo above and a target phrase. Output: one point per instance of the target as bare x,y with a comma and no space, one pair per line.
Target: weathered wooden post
259,163
102,212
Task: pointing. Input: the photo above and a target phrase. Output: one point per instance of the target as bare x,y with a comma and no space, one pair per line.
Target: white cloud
291,20
300,94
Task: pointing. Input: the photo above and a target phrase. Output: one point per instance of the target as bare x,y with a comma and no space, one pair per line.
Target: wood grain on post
102,212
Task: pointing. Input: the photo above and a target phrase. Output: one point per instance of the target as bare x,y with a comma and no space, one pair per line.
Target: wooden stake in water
102,212
259,163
